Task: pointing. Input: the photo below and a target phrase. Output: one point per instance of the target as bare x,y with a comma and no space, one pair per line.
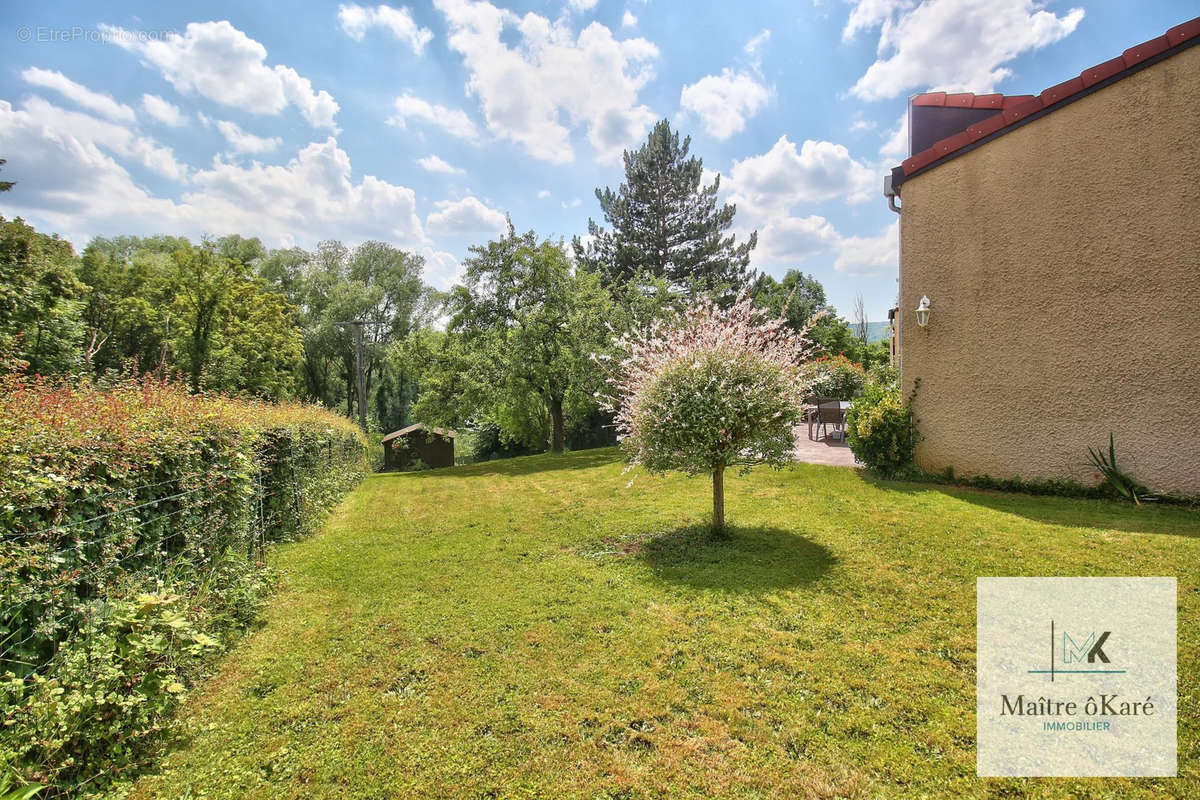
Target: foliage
665,223
710,389
883,374
4,187
39,301
835,376
1115,478
376,283
517,353
531,623
135,520
880,429
800,300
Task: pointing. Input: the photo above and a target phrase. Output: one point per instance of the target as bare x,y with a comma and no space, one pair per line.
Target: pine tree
666,224
5,185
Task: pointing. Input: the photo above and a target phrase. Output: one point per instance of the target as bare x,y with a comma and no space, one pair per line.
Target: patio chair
829,410
810,413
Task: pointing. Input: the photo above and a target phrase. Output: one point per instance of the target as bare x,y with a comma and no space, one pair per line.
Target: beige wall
1063,265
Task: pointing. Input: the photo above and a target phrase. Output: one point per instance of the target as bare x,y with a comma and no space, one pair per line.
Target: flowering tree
710,389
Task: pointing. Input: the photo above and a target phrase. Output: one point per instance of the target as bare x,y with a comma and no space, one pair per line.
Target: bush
880,429
836,376
709,389
135,520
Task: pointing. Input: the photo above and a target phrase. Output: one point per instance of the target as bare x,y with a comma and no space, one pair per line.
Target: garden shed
418,443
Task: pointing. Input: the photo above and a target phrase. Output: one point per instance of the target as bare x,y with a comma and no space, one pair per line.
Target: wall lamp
923,311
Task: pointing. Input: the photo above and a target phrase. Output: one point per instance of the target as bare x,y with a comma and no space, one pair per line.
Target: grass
536,628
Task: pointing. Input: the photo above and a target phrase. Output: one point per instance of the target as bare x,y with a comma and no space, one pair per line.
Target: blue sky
424,123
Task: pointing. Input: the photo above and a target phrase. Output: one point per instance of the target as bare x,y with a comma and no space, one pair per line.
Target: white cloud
581,5
452,120
80,95
724,102
951,44
356,19
465,216
87,131
860,125
219,62
543,194
442,269
869,255
628,20
757,41
432,163
793,239
574,202
896,146
243,142
314,194
768,188
161,110
783,177
868,14
534,92
81,191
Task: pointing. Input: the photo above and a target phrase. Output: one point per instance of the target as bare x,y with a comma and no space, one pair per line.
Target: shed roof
419,427
1012,111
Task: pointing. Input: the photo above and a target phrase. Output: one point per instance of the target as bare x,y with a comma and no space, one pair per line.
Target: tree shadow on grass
749,559
1069,511
521,465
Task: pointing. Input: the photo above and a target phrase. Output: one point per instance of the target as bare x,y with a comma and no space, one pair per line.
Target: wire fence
59,574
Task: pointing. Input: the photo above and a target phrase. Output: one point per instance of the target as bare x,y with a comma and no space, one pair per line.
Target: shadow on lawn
1075,512
521,465
747,559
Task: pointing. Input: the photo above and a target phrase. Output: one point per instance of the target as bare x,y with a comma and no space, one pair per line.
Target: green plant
836,376
1114,477
880,429
12,789
133,527
710,389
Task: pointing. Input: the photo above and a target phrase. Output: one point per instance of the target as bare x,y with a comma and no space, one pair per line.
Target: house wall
1062,261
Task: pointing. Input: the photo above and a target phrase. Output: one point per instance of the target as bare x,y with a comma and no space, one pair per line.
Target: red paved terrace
963,120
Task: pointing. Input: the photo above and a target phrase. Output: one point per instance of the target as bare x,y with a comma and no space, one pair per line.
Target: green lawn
537,628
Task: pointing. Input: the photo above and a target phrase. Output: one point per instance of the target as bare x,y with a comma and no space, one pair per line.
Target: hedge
135,519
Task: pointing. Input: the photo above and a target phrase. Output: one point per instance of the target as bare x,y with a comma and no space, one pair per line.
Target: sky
424,124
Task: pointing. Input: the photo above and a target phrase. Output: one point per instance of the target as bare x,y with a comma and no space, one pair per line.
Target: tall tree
665,223
861,328
524,326
204,281
40,325
5,185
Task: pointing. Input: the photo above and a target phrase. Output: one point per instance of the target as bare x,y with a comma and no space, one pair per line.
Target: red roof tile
1011,109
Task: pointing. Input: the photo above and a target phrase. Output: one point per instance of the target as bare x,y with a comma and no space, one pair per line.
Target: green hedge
135,521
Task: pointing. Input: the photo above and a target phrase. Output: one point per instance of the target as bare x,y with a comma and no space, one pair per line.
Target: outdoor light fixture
923,312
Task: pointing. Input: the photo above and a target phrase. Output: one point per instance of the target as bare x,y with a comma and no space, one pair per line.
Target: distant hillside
876,331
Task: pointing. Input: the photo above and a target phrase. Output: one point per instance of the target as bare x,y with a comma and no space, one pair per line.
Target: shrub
710,389
836,376
134,522
880,429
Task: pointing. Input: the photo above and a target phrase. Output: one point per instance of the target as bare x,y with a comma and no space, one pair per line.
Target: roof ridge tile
1013,108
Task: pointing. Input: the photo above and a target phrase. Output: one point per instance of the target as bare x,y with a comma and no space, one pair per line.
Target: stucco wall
1063,265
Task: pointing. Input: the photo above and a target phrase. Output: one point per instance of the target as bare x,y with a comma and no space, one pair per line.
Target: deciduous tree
709,389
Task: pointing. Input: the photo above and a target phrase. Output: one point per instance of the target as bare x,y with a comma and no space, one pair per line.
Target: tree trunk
719,498
557,439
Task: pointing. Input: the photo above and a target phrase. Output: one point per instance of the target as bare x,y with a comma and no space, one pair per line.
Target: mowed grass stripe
538,628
